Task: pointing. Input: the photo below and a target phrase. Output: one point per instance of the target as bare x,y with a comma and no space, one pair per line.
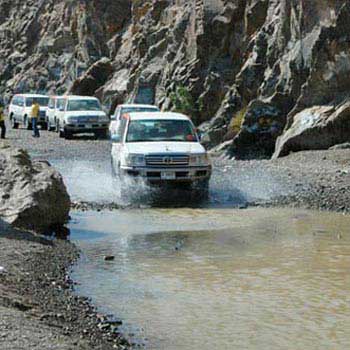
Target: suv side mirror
199,134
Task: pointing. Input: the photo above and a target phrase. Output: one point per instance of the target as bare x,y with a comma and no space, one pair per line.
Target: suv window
149,130
126,110
83,105
121,129
51,103
43,101
61,103
20,101
15,101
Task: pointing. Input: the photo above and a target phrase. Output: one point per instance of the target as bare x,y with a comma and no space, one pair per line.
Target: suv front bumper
183,174
85,127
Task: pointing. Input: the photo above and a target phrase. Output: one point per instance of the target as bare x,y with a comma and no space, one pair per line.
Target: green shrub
182,101
237,120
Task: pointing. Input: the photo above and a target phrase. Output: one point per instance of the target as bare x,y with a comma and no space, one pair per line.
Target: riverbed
219,278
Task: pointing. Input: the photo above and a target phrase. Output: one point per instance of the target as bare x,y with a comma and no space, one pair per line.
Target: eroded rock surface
241,68
32,194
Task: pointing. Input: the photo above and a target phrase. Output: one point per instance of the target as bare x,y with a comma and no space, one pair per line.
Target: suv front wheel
64,133
14,124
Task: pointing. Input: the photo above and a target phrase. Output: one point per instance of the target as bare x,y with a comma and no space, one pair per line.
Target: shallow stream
209,276
220,278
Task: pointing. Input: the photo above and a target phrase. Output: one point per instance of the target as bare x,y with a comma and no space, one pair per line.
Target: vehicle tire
27,124
14,124
67,134
101,134
60,131
114,172
44,126
201,188
50,127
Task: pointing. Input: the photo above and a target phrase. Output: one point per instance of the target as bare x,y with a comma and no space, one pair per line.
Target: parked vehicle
128,108
81,114
20,110
52,112
160,148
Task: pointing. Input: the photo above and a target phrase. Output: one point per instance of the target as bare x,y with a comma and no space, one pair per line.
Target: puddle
220,278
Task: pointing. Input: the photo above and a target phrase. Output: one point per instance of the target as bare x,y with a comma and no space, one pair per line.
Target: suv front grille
167,160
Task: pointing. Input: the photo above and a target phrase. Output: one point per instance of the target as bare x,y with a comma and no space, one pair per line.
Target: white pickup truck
160,148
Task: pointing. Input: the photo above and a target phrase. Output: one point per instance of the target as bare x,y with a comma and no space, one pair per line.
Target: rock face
319,127
243,69
32,194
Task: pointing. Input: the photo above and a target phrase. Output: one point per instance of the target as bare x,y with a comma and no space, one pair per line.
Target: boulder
95,77
32,194
319,127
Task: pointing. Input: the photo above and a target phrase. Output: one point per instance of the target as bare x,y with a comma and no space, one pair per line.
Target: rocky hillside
248,71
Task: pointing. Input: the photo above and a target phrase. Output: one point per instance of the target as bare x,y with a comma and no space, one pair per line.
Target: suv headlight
135,160
71,120
103,119
199,159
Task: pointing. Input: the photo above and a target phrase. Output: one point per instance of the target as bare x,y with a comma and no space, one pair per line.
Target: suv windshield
161,130
43,101
83,105
138,109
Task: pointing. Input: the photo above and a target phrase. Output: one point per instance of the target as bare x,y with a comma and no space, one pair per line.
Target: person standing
35,116
2,121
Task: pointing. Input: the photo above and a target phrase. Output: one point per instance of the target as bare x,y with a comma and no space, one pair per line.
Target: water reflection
220,279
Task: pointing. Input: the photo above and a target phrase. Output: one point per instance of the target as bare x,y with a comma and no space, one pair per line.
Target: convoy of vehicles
158,147
20,110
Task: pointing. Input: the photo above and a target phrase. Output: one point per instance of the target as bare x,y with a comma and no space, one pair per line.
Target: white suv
128,108
20,110
160,148
81,114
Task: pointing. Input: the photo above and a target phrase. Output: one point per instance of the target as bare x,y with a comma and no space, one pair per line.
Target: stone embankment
33,195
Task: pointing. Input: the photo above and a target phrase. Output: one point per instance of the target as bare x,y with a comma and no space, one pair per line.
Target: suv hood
164,147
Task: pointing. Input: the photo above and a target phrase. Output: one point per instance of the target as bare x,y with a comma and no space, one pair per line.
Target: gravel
38,308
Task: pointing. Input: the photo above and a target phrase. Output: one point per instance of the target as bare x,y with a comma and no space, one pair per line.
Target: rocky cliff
243,69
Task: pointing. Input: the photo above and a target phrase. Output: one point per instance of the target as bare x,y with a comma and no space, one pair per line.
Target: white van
20,110
160,148
81,114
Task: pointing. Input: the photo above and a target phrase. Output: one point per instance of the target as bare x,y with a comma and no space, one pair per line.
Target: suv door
20,108
60,110
13,107
117,145
50,111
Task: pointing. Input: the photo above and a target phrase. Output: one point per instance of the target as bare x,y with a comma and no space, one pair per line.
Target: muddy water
220,278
